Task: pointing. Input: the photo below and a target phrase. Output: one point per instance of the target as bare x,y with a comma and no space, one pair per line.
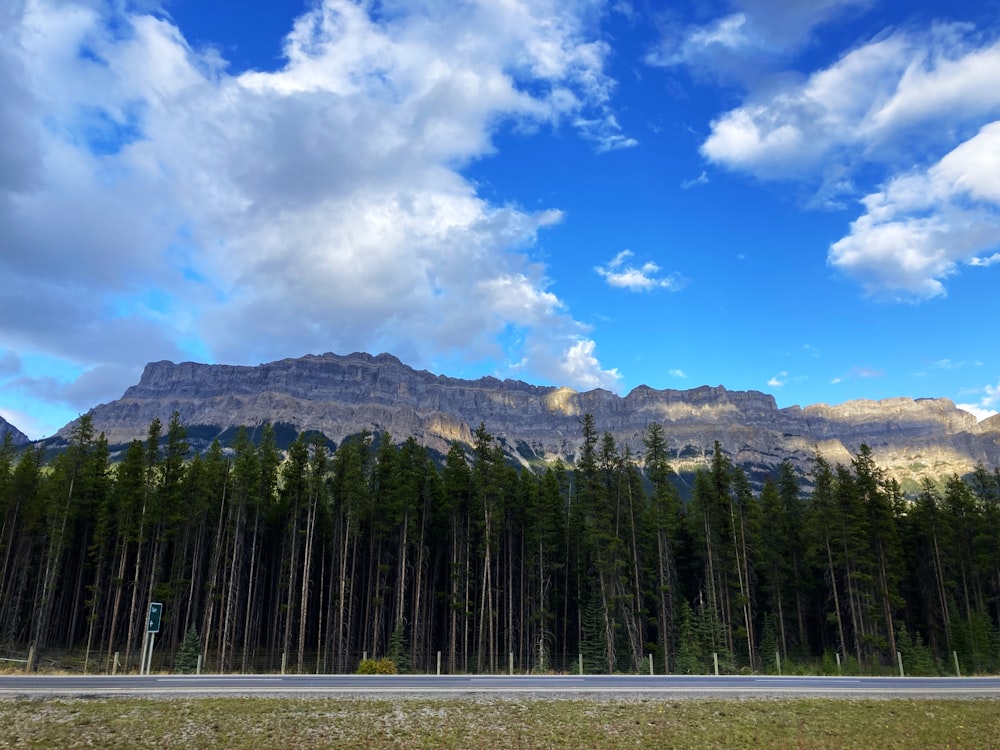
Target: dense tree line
321,555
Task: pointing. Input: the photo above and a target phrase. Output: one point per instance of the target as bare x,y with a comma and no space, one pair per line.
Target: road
423,686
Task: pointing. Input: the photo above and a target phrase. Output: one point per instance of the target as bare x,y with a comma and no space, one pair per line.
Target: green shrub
377,666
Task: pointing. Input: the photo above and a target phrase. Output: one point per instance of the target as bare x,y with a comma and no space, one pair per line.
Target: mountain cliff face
342,395
6,428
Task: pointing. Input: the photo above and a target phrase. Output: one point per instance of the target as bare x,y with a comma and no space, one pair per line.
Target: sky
796,198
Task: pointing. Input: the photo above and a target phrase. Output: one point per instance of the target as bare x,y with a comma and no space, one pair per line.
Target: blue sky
797,198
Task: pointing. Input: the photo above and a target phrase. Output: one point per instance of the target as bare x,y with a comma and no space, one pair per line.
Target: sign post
152,628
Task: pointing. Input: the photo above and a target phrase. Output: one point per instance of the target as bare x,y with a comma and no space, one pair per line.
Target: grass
511,724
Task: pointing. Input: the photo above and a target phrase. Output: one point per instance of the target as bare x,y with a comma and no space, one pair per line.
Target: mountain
342,395
6,428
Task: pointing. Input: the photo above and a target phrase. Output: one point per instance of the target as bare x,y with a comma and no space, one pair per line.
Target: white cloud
677,373
742,42
988,405
902,99
729,32
977,411
778,380
986,261
924,87
711,45
579,365
162,205
605,132
701,179
920,226
619,273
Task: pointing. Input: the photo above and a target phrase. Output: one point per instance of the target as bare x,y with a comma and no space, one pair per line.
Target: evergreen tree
376,549
663,522
186,659
824,550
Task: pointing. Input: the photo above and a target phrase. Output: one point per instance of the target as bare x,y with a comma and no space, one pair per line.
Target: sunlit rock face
343,395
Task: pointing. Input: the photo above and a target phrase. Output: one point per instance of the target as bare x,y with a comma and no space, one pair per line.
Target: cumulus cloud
162,205
579,365
977,411
677,373
920,227
901,99
988,405
621,274
985,261
778,380
877,100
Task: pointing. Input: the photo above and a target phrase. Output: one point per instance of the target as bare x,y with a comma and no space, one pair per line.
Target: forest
318,556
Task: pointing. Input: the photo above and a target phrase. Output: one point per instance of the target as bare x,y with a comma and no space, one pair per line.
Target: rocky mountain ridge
342,395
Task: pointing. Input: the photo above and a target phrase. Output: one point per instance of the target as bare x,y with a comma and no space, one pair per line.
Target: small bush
186,660
377,666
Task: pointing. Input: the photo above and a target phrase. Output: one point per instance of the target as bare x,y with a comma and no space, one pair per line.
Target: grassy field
264,723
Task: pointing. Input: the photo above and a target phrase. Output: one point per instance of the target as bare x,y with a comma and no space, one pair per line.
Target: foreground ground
498,723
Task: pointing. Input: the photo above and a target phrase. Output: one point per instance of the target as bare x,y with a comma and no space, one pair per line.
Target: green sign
153,625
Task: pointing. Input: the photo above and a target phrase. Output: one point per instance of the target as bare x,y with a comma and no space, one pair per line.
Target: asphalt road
423,686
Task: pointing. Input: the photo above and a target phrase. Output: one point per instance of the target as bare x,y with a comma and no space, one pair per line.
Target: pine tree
351,467
664,521
457,481
488,496
714,527
824,547
792,541
295,504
